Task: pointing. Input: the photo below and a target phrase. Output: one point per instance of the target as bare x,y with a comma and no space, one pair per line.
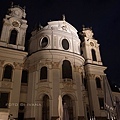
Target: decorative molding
4,84
24,89
90,76
42,83
85,94
77,68
41,91
68,86
103,77
33,68
18,65
8,24
64,27
2,62
55,65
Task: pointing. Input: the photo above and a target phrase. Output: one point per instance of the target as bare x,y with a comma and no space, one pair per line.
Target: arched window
13,37
45,108
98,82
68,107
44,42
7,72
43,73
66,70
24,78
93,55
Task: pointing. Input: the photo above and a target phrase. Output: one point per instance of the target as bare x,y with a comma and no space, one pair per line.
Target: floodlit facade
58,63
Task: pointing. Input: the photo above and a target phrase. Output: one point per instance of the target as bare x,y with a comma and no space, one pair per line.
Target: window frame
22,81
98,83
5,72
93,52
12,35
6,106
45,76
45,107
67,70
101,103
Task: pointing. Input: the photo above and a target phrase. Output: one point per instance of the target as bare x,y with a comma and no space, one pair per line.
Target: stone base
101,118
54,118
81,118
29,118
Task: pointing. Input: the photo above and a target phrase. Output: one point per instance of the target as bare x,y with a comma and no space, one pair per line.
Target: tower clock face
91,43
15,24
17,12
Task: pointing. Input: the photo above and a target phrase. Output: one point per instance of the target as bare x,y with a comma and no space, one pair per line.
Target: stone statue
10,117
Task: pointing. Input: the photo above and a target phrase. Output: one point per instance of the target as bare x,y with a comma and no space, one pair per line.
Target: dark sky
102,15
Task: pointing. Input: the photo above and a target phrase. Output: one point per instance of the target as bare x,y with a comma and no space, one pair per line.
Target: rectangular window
4,99
85,83
98,82
101,103
24,78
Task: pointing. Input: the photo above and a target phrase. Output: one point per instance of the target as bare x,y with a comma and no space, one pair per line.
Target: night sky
102,15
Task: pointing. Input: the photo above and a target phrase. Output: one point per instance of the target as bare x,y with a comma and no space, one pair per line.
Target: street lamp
117,87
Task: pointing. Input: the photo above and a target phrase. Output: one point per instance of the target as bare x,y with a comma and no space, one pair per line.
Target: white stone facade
58,63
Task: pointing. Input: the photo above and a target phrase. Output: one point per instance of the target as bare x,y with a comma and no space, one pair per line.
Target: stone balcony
6,84
24,88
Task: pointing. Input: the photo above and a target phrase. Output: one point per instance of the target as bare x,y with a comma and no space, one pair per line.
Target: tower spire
63,17
12,4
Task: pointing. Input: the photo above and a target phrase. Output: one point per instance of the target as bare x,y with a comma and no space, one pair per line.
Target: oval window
44,42
65,44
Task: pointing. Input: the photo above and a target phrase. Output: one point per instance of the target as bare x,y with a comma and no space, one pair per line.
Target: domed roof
62,25
59,35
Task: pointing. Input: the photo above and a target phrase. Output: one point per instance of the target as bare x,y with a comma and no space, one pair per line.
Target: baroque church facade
57,63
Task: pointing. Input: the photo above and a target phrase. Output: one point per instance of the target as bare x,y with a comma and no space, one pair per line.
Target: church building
58,63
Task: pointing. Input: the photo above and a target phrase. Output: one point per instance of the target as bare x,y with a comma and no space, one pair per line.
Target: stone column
55,91
15,93
30,111
1,69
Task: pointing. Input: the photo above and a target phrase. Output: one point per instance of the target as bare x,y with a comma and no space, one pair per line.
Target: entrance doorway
68,102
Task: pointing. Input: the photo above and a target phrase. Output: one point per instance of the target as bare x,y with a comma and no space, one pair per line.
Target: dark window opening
22,106
43,73
65,44
81,52
44,42
88,112
21,116
85,83
101,103
7,72
94,55
66,70
13,37
4,99
98,82
24,78
45,108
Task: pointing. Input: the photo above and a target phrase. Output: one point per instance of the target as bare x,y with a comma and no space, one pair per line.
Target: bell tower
94,73
12,58
14,28
90,47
